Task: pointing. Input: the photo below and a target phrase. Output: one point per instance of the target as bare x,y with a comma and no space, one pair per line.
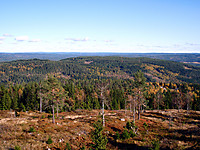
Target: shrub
68,147
17,147
128,125
43,117
117,135
49,141
145,125
156,144
83,147
132,134
131,125
32,129
50,116
125,134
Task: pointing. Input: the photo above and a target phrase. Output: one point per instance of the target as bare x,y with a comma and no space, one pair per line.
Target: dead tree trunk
103,117
158,101
187,107
188,99
102,90
125,107
40,99
134,110
139,112
57,109
53,113
139,104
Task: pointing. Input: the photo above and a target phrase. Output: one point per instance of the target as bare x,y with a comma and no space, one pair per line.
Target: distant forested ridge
155,70
190,58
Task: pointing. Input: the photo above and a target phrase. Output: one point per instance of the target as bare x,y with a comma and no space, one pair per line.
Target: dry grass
181,132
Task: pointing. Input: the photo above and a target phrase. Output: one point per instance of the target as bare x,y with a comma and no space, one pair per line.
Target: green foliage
19,71
130,125
125,134
49,141
53,93
87,98
80,91
83,147
145,125
49,116
155,144
100,140
139,79
128,130
68,147
22,107
117,135
132,134
32,129
17,147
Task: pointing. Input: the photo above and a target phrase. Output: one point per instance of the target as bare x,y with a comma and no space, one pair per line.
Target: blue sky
132,26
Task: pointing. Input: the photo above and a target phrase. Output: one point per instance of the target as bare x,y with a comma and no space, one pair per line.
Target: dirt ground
31,130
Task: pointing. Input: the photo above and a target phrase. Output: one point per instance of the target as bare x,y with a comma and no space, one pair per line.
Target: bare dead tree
40,95
179,100
132,101
102,88
188,97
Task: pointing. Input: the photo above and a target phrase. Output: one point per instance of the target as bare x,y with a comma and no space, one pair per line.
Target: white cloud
108,41
1,42
21,38
35,40
192,44
8,35
77,39
2,38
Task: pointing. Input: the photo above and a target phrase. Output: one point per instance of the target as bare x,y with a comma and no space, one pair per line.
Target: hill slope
98,67
182,132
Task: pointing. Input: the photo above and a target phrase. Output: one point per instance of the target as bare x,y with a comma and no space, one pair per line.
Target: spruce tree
100,140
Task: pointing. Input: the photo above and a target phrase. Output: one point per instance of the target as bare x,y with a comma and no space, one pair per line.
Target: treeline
86,94
98,67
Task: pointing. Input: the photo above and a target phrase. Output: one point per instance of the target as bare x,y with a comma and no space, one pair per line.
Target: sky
121,26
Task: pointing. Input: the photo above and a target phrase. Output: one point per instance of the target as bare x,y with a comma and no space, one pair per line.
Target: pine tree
139,84
54,94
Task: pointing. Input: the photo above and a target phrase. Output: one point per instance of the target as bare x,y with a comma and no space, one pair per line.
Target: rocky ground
169,129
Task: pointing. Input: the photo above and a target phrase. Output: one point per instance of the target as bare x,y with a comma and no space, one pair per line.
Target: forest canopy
166,85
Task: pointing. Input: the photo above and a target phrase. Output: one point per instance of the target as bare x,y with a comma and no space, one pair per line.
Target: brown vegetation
31,130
